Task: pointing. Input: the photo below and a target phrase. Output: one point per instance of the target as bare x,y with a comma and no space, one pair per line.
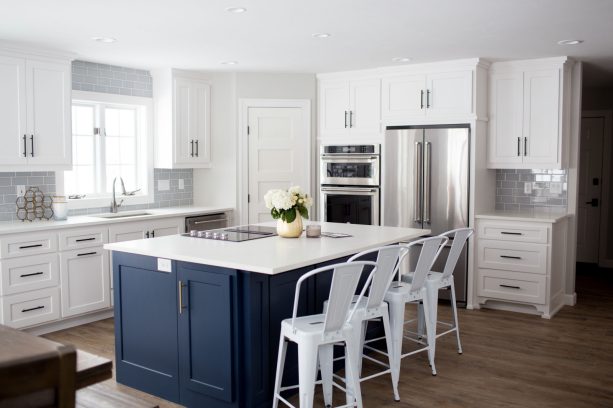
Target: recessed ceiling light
321,35
106,40
570,42
236,10
401,59
229,62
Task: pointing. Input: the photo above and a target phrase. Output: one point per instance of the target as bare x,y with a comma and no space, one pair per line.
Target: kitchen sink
123,214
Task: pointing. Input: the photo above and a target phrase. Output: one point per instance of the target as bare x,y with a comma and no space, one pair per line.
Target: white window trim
145,149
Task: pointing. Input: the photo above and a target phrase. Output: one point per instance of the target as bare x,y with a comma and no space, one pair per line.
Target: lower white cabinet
29,273
521,265
31,308
130,231
85,281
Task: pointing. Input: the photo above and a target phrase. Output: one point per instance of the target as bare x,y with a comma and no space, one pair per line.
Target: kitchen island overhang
201,327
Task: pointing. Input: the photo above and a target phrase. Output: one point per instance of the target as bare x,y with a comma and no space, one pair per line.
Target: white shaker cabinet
529,106
35,112
129,231
182,120
85,281
350,107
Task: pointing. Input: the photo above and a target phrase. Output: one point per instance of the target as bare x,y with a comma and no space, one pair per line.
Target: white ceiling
275,35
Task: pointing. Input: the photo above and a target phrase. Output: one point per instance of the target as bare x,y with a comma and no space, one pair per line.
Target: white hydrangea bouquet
285,205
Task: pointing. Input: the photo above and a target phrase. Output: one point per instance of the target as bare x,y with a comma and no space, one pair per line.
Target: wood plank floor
509,360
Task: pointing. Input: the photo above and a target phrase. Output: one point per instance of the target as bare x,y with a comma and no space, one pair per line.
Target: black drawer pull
31,246
87,253
510,233
32,308
510,257
509,286
30,274
85,239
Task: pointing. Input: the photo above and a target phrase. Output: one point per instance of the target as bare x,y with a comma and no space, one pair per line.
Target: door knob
593,202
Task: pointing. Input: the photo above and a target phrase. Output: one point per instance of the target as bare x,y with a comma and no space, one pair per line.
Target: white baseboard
70,322
570,300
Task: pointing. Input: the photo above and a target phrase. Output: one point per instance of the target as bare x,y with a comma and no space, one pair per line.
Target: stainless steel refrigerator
426,185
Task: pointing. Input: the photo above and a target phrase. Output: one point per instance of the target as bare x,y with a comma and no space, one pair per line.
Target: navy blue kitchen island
205,333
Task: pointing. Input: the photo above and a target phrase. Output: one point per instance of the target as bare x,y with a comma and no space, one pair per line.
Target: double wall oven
350,180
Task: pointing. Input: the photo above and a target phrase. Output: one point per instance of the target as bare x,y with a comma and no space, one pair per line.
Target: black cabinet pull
350,118
197,150
518,146
422,99
510,233
153,234
345,119
192,148
30,274
428,98
87,253
32,308
32,145
510,257
525,146
31,246
25,147
85,239
147,234
509,286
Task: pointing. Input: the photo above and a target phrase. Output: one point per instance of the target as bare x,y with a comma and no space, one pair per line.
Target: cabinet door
365,112
183,130
200,108
127,231
48,87
206,325
333,108
450,94
12,111
505,137
165,227
85,281
403,97
541,118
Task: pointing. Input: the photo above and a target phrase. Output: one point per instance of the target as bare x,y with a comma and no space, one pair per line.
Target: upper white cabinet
350,107
182,120
35,112
433,95
529,103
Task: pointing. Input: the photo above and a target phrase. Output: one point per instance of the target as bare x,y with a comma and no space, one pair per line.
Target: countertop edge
548,218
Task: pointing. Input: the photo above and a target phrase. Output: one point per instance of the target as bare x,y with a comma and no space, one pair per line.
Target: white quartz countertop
13,227
536,215
270,255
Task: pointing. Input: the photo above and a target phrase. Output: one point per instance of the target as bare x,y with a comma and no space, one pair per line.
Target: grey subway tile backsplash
94,77
511,183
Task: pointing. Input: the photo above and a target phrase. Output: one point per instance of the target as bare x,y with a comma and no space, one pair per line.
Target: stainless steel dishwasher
207,222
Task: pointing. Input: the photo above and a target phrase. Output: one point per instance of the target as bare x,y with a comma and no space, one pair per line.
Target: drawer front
31,308
83,238
520,287
513,231
29,273
512,256
27,244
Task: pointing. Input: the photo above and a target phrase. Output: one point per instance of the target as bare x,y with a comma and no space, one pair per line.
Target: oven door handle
355,191
352,159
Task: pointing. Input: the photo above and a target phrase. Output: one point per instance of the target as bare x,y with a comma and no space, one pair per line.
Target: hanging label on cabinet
164,265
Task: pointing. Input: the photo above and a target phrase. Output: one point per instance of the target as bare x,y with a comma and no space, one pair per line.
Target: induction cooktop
235,234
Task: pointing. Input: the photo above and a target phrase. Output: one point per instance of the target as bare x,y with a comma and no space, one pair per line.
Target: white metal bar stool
367,308
443,280
312,332
401,293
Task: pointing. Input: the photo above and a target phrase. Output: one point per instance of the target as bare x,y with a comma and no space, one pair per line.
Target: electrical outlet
555,187
21,190
527,187
163,185
181,184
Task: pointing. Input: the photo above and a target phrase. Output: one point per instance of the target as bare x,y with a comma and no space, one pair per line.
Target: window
110,140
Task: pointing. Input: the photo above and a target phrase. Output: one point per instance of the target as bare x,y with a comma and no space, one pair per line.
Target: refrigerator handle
417,180
427,184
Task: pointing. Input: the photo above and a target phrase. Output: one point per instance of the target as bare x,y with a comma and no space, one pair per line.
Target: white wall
218,185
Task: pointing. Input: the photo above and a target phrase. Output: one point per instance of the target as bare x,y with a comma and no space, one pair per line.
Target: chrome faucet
114,205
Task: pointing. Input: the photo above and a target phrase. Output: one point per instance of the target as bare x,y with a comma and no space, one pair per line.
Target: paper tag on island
164,265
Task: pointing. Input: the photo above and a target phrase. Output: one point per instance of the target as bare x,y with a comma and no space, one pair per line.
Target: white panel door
541,118
590,181
12,111
85,281
127,231
449,94
200,108
172,226
48,86
279,146
403,97
365,112
333,108
183,129
505,138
